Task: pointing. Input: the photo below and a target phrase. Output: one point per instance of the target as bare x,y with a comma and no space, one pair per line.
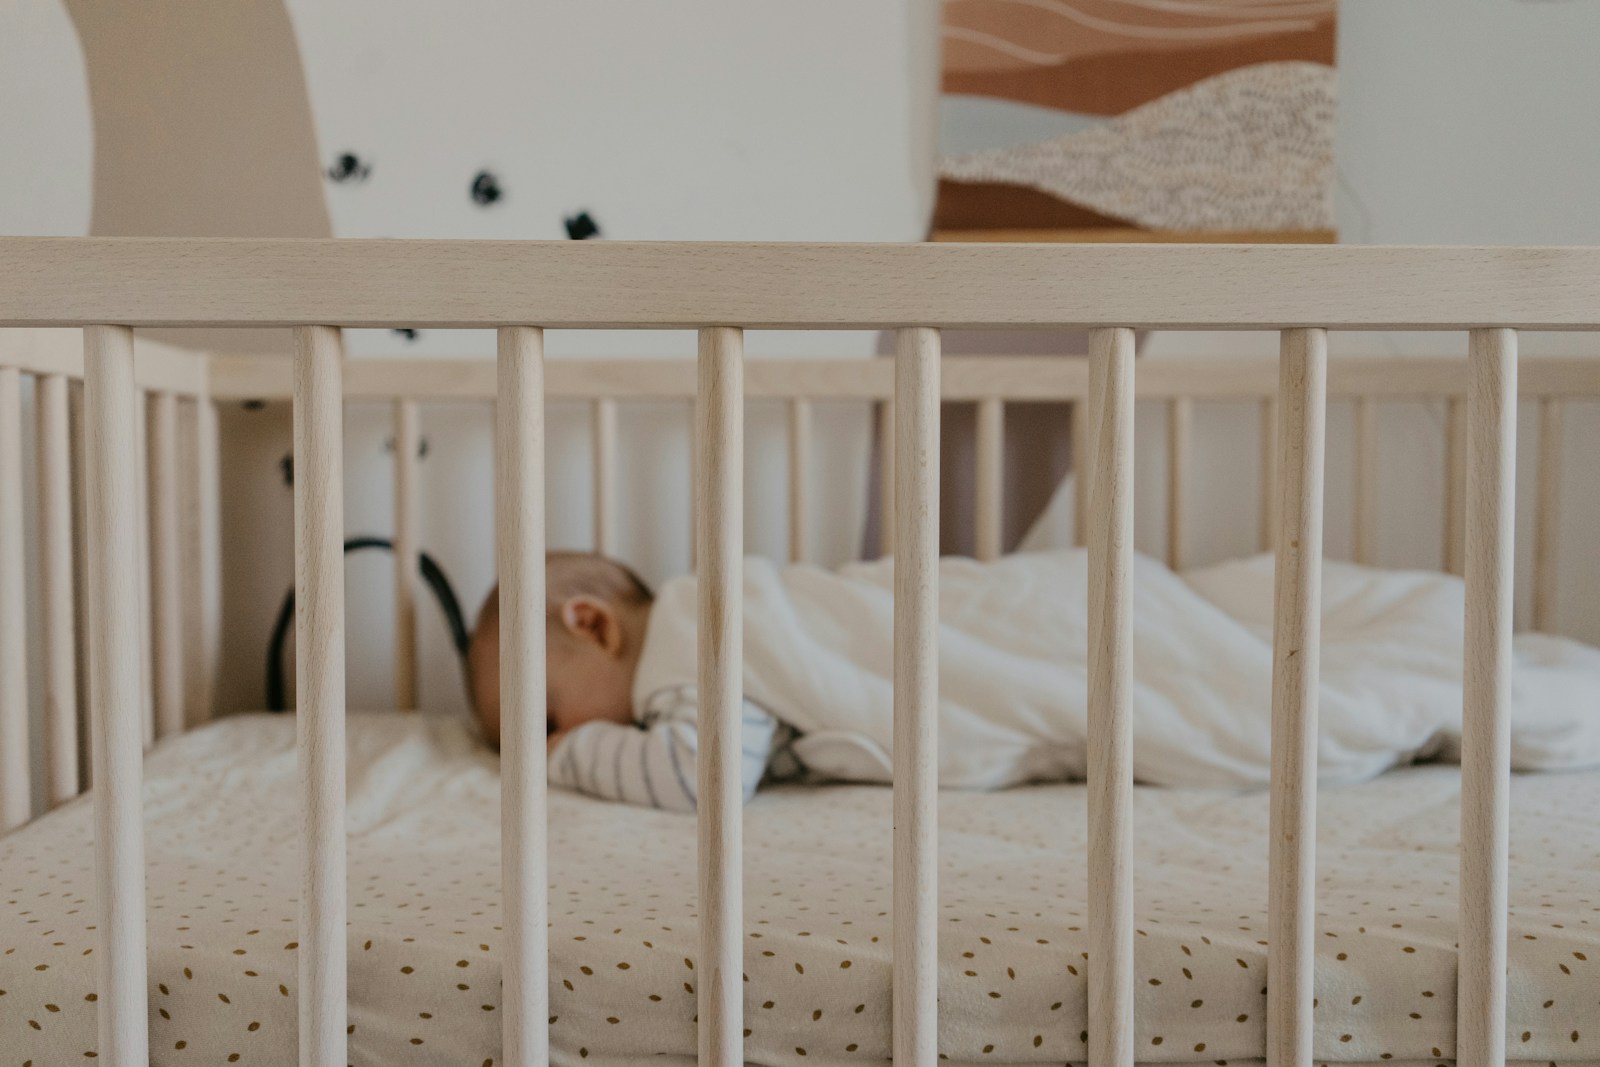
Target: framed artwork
1137,120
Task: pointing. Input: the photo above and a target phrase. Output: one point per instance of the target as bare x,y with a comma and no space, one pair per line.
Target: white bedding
424,943
1013,651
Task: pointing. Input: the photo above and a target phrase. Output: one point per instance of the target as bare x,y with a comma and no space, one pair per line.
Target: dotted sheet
424,919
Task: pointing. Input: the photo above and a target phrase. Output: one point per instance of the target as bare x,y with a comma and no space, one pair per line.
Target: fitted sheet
425,939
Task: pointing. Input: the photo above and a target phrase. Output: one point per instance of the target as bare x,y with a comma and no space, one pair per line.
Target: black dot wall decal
349,167
485,189
581,227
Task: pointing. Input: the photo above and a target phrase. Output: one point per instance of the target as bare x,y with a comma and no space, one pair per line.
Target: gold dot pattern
425,938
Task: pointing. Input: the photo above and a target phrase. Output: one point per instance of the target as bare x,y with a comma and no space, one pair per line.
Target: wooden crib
108,287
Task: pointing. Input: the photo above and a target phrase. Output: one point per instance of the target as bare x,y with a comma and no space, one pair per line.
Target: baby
600,741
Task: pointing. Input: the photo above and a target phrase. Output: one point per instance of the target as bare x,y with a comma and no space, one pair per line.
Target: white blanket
818,653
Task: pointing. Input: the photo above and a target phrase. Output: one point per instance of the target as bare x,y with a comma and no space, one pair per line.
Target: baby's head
595,615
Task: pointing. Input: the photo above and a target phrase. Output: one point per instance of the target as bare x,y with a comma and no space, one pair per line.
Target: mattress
424,935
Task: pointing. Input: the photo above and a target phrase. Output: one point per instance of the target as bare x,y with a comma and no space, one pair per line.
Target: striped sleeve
652,763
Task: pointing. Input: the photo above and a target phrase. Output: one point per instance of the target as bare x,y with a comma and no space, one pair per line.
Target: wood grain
166,565
962,378
800,423
1180,446
988,508
720,810
1486,711
524,806
1547,518
320,691
115,618
1267,485
1455,485
1364,512
1296,659
16,797
407,519
607,513
59,654
1110,755
916,699
143,281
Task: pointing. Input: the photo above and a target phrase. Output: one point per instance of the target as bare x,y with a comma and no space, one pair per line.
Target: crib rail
721,290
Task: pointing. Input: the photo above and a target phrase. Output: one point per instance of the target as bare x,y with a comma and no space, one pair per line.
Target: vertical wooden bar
1455,486
1486,711
990,476
166,564
886,480
77,418
147,690
1180,422
799,477
520,517
1110,763
1268,506
605,476
1082,472
116,616
53,455
407,443
916,699
320,710
201,531
1364,514
721,674
1296,657
1547,517
15,788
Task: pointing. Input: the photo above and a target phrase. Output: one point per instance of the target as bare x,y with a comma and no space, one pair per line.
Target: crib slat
1364,515
147,691
78,423
320,703
886,479
166,564
520,517
1455,486
799,477
1296,656
1486,719
605,476
15,788
1267,510
114,620
53,454
1180,421
990,476
916,698
1082,473
203,548
1547,521
721,674
407,442
1110,762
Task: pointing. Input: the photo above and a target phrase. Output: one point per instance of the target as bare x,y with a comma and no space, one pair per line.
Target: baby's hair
566,575
570,574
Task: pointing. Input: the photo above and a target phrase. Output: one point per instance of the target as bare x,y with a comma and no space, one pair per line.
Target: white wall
1460,122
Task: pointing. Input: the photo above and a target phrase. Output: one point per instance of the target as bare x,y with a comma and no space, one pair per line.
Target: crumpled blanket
818,653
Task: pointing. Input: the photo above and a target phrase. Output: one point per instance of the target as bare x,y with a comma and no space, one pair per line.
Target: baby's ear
589,618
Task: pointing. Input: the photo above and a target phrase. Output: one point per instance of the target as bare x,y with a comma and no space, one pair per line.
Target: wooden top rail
1013,378
137,281
157,367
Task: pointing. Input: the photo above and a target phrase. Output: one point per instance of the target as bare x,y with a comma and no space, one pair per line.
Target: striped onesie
652,762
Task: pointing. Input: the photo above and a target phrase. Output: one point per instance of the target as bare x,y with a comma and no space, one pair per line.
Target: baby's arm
653,764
